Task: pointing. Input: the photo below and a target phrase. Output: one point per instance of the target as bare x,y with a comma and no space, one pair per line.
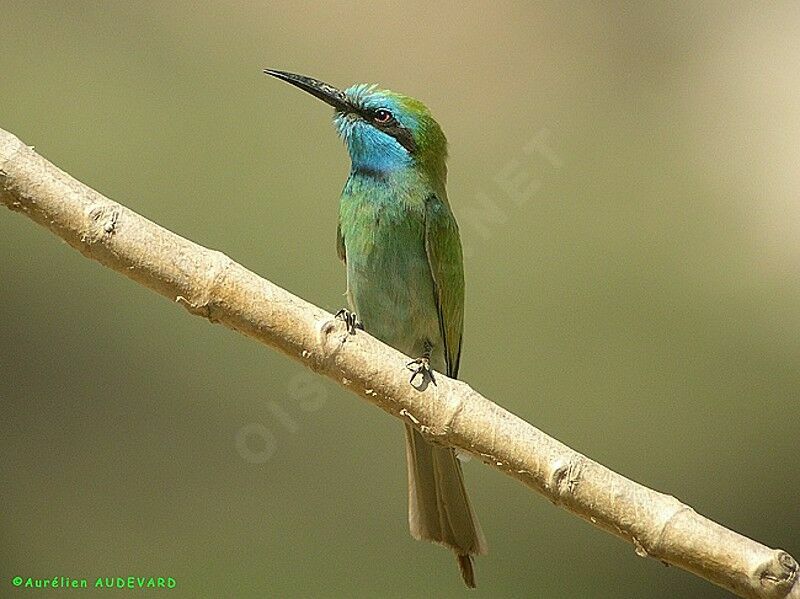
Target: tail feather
467,573
438,507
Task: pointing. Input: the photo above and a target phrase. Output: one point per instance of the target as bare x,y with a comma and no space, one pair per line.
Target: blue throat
372,152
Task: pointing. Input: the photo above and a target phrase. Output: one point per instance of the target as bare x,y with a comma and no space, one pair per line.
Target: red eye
382,116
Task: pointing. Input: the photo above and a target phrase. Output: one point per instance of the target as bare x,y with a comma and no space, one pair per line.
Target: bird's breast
389,281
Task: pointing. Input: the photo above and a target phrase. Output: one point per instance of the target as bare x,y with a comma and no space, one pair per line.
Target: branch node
565,478
656,547
324,329
102,223
200,297
330,343
780,571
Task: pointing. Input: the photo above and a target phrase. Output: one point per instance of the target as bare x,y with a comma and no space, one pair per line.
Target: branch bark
210,284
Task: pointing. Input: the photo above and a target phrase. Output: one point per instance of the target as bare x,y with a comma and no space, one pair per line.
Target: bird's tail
438,506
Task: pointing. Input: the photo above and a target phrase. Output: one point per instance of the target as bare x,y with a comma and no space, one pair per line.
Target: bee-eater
405,280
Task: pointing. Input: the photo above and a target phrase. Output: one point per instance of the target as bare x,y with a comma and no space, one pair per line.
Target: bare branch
210,284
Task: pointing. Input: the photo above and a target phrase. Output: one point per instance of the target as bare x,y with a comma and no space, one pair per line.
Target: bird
401,247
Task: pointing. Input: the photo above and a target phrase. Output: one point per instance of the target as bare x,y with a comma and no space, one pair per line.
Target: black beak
323,91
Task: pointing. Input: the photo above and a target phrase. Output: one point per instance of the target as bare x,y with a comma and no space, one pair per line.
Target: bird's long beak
323,91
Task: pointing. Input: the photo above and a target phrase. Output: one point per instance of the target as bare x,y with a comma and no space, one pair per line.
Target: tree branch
209,284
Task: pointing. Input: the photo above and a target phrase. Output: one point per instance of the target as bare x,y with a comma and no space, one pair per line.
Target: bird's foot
350,319
421,367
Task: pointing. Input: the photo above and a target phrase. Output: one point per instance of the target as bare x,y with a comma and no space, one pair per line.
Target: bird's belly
390,288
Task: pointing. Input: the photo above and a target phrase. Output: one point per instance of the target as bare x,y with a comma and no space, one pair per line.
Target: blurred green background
627,180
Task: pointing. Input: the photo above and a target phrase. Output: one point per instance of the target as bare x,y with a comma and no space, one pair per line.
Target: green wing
443,246
340,250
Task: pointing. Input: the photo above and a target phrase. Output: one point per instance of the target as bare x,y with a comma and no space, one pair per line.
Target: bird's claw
350,319
420,366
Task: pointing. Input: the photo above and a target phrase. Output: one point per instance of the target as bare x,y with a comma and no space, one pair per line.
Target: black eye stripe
391,127
401,134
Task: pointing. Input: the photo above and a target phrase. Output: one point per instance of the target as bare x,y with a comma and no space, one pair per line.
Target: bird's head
384,131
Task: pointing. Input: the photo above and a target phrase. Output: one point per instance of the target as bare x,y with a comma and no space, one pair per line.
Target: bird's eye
382,116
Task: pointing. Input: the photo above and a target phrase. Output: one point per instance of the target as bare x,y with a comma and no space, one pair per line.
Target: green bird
405,279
